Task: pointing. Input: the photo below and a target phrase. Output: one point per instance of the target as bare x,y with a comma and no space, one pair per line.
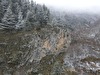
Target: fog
73,5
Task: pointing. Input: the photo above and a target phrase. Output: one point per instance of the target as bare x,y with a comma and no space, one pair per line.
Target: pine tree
20,24
9,18
42,15
25,8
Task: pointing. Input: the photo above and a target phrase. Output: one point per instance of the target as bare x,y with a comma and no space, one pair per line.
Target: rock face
35,52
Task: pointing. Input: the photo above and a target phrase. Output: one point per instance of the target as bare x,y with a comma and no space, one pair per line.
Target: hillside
36,40
24,52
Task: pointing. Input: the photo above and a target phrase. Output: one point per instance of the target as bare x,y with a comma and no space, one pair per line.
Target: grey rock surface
32,52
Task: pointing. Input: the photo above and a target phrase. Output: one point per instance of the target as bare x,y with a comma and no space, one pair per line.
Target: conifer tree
9,18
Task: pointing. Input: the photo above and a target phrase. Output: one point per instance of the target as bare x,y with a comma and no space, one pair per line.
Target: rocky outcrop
35,52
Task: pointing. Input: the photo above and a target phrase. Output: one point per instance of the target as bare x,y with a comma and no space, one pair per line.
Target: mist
92,6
